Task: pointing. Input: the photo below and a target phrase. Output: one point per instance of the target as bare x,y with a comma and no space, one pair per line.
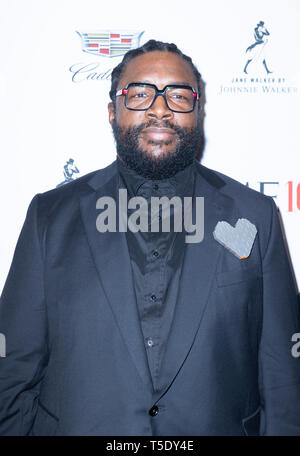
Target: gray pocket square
239,239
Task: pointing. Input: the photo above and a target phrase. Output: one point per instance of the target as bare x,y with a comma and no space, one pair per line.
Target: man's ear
111,112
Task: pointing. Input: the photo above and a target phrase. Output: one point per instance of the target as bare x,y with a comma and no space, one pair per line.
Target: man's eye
177,96
139,95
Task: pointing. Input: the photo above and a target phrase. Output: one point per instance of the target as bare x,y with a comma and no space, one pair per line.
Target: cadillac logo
109,43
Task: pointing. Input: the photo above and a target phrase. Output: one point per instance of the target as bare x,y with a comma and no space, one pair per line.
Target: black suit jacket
76,362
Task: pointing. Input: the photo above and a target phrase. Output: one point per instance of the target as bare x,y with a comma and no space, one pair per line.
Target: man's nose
159,109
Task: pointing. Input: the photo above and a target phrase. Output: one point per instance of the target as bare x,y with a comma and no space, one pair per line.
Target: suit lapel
111,257
198,273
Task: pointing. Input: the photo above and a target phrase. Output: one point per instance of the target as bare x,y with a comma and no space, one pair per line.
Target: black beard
164,166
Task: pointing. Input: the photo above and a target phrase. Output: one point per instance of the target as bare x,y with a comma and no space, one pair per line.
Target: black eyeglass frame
157,93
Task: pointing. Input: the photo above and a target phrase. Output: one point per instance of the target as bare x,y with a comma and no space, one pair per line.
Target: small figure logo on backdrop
69,169
103,43
256,51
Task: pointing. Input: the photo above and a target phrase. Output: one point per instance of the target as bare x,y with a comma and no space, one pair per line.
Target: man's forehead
158,67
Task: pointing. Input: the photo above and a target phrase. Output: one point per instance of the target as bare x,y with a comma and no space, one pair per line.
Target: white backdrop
48,114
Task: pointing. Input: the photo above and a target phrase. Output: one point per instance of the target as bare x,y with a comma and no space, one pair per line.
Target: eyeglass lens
178,99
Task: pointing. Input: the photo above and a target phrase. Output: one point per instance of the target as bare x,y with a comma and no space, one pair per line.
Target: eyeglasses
140,97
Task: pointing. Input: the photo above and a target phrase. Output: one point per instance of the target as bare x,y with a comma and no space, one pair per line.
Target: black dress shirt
156,260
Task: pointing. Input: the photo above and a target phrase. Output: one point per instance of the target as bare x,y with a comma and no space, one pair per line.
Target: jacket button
153,411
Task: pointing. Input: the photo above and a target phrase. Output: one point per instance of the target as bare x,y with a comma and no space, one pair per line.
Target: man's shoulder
78,187
248,201
231,187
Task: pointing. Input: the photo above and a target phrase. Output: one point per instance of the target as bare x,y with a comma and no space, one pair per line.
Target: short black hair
150,46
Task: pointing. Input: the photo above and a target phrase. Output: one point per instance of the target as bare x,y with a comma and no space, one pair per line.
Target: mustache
133,132
160,124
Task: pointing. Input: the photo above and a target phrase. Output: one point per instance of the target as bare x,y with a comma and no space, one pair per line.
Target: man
120,332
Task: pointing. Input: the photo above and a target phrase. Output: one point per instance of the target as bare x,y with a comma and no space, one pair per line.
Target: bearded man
136,331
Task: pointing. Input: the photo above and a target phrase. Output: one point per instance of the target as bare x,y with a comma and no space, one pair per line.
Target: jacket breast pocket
239,275
45,422
251,423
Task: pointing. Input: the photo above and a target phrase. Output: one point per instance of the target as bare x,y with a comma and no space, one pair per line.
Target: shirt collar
181,184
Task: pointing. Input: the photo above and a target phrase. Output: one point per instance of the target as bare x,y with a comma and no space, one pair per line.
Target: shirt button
155,186
153,297
153,411
150,342
155,253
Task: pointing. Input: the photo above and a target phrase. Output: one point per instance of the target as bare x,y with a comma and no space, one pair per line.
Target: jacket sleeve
23,324
279,370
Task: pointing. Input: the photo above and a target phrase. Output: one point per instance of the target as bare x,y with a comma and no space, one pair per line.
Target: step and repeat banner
56,58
